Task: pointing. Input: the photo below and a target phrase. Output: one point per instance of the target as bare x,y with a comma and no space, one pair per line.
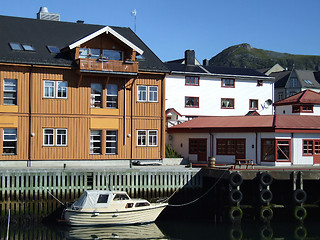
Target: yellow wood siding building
94,109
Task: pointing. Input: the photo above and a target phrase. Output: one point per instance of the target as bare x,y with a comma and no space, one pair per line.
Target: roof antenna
134,13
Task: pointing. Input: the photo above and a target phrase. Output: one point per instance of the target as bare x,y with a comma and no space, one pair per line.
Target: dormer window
104,54
112,55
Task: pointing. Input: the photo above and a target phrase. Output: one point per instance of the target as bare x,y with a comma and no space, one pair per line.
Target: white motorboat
99,207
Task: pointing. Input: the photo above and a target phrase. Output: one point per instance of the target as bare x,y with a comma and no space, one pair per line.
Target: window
28,47
227,146
49,89
142,138
153,94
62,89
55,89
53,49
280,96
227,82
260,83
308,82
112,55
9,141
103,198
48,137
192,102
253,104
153,137
267,150
227,103
112,96
112,142
302,108
293,82
61,139
307,147
10,92
84,53
283,150
95,142
191,80
16,46
96,94
142,93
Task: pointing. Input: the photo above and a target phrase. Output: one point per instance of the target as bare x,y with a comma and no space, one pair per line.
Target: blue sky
169,27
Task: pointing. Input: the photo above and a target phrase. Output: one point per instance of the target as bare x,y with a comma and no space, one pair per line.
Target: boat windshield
121,196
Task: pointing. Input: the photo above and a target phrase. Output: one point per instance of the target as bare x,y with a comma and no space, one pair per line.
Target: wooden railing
30,192
107,65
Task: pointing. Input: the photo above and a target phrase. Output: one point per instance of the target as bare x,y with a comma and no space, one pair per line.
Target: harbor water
169,230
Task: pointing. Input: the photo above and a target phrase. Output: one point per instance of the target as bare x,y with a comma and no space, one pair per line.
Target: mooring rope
197,199
8,226
54,196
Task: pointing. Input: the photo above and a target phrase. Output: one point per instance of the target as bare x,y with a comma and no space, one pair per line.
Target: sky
169,27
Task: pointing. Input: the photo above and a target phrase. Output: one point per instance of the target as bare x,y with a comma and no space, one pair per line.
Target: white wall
287,109
210,93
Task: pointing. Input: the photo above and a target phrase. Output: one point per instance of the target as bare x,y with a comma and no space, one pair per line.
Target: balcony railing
107,65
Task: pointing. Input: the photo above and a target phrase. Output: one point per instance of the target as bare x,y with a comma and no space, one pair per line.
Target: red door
316,153
198,146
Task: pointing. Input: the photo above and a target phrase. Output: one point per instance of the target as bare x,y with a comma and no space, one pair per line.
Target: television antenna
134,14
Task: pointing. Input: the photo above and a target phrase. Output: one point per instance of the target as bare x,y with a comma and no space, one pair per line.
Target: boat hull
132,216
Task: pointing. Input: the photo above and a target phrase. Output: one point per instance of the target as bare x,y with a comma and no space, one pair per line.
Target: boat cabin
97,199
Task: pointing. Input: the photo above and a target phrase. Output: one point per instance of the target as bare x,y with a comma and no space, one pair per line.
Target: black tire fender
235,179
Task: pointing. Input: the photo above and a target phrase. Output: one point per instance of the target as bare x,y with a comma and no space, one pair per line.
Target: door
240,148
198,146
316,153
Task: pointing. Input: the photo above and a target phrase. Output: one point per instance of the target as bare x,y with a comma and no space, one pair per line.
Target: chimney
80,21
205,62
44,14
189,57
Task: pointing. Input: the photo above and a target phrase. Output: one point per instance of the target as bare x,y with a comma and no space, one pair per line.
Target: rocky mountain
244,55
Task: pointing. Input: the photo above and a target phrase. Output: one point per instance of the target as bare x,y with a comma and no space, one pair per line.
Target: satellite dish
267,103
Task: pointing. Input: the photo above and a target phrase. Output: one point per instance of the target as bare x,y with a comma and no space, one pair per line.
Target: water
170,230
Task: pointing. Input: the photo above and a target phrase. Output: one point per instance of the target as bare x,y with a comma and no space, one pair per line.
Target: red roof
265,123
304,97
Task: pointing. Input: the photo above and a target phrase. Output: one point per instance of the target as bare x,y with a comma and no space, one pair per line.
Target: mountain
245,56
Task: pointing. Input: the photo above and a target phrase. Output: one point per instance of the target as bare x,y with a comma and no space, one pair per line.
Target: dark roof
234,71
43,33
176,66
281,78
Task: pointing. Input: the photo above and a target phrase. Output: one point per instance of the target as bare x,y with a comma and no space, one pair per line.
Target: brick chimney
189,57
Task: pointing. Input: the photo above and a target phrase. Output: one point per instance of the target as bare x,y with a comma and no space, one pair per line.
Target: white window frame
153,95
112,141
153,138
112,95
92,141
9,140
60,136
142,94
65,88
10,85
140,138
49,87
93,96
46,136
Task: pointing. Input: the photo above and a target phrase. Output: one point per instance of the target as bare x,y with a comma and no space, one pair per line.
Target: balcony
107,66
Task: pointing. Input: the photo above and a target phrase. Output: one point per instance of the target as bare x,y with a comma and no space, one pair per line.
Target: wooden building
75,93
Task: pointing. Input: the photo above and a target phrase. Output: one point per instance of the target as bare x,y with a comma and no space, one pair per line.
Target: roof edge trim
106,30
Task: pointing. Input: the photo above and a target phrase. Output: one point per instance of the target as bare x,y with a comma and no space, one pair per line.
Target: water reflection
147,231
194,229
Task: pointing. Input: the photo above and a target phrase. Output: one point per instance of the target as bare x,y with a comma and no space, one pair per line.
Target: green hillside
243,55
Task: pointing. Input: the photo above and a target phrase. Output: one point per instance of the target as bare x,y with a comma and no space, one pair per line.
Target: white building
275,140
306,102
195,90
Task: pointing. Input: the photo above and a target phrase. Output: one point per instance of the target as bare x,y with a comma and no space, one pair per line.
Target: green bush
171,153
